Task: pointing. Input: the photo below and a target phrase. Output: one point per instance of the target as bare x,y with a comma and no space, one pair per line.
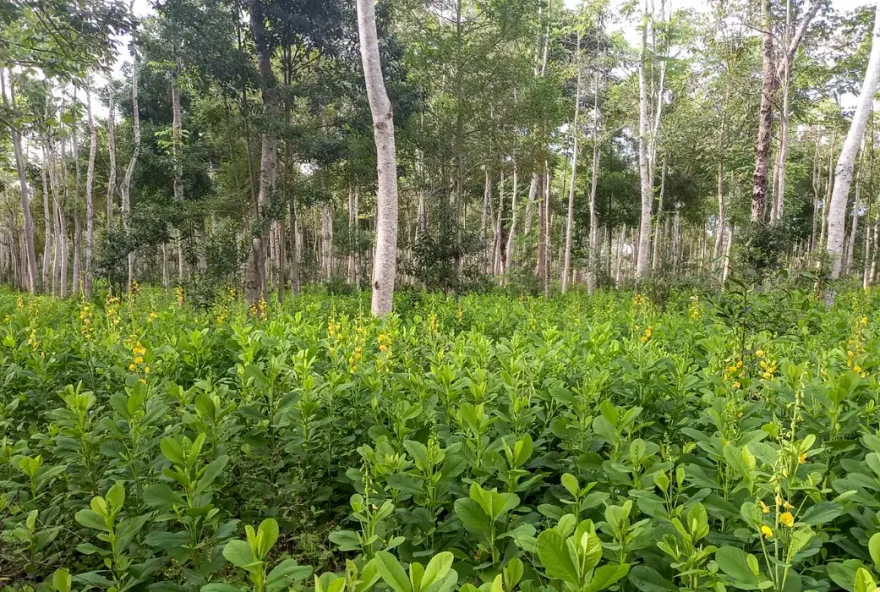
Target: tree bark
326,242
498,255
844,169
511,236
111,150
765,120
569,221
125,188
643,260
29,254
257,283
385,262
592,274
176,149
90,182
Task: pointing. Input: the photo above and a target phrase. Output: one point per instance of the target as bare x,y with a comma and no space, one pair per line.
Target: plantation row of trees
534,142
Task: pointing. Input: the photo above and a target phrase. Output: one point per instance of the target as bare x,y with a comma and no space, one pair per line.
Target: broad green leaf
285,574
392,572
734,563
436,569
171,450
556,559
874,548
606,576
821,513
268,534
91,519
238,553
648,579
864,581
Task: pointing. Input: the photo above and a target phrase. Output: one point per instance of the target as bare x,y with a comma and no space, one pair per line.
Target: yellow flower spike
787,519
766,531
760,353
764,508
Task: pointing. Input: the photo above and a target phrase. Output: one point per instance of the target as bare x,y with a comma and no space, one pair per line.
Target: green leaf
161,497
116,496
735,565
171,450
91,519
219,588
268,534
392,572
437,569
874,548
864,582
238,553
285,574
570,483
648,579
821,513
472,517
556,559
61,580
606,576
211,472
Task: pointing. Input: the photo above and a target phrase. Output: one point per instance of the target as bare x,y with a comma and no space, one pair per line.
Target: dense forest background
540,144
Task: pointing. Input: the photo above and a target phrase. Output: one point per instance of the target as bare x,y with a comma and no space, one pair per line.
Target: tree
385,261
843,172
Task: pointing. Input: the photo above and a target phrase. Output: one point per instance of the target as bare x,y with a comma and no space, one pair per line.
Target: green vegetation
513,444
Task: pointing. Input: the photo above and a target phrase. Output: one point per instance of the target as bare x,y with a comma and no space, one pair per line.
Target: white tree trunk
125,188
385,263
569,221
111,150
508,255
176,149
90,182
29,254
844,170
643,261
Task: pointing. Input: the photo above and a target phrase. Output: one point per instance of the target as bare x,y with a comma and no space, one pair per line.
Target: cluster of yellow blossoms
786,518
768,367
85,317
112,309
138,352
649,331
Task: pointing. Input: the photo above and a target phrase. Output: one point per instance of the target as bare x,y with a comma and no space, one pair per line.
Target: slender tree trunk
844,170
851,244
47,225
569,221
760,179
257,283
111,150
530,203
817,197
29,254
385,263
722,212
326,242
498,255
643,259
658,222
125,188
90,182
176,149
294,249
511,237
592,272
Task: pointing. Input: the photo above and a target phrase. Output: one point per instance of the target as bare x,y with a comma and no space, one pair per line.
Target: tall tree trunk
658,222
29,254
111,151
569,220
511,236
326,242
853,229
765,121
722,212
257,282
385,261
844,170
90,182
294,248
47,225
498,254
176,149
125,188
592,272
643,260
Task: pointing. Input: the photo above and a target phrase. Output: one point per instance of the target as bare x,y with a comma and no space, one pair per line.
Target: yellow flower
146,369
139,360
857,368
802,459
735,385
760,353
766,531
383,347
153,315
787,519
764,508
788,506
131,367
